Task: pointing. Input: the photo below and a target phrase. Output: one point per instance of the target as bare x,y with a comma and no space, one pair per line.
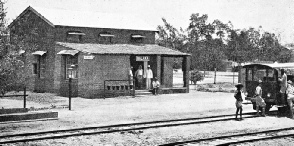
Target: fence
119,87
24,97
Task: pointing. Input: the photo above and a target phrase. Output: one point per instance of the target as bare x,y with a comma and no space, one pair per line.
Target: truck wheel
282,110
254,105
267,108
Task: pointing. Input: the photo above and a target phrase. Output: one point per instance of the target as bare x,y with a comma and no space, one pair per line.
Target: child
259,101
239,100
155,85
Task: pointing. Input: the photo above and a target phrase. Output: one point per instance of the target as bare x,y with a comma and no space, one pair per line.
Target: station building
96,50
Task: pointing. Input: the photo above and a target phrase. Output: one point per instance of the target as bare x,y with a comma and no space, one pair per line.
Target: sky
275,16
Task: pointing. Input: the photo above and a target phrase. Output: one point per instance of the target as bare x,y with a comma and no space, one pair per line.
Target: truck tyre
268,107
254,105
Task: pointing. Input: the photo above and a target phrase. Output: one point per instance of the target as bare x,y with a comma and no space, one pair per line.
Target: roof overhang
20,52
138,36
68,52
76,33
41,53
106,35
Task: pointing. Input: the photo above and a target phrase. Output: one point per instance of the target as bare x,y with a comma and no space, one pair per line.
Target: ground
98,112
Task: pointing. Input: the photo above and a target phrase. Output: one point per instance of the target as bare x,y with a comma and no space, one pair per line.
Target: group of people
286,90
148,75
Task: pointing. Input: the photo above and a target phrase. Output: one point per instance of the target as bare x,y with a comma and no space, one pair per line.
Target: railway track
57,134
238,138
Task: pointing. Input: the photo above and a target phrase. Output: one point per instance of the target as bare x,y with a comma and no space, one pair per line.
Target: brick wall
93,73
61,84
155,64
28,26
121,36
167,71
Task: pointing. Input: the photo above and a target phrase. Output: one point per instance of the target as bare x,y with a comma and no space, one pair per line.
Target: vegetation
11,64
211,43
196,76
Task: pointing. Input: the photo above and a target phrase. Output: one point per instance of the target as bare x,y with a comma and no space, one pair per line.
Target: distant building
96,50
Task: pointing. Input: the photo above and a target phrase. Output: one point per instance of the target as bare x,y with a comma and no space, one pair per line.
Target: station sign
89,57
142,58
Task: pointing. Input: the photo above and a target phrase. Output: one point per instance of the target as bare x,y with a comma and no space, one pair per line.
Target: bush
196,76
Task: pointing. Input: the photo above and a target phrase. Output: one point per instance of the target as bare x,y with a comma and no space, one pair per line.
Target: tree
169,36
240,49
196,76
211,43
269,47
206,51
11,65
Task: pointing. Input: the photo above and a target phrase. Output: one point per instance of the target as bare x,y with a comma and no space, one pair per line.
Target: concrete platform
13,110
27,116
173,90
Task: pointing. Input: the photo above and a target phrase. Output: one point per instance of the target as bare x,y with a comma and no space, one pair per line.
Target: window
270,75
74,36
259,74
39,67
105,37
249,74
71,66
35,68
137,38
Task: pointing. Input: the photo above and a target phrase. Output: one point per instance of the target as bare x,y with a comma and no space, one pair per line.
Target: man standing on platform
131,78
148,76
283,84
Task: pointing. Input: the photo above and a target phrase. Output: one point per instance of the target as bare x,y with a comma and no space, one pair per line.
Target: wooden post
145,73
24,97
214,75
186,69
233,77
69,93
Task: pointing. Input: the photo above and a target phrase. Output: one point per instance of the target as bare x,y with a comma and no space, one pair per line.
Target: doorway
138,62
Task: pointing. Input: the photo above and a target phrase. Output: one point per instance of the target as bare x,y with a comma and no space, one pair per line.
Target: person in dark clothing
239,100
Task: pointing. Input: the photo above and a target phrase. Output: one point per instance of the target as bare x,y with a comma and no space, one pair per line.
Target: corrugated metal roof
91,19
148,49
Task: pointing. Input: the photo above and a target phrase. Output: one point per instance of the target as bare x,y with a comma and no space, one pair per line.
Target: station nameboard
89,57
142,58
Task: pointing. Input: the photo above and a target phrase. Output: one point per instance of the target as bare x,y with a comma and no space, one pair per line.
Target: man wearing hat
148,75
259,101
290,97
239,100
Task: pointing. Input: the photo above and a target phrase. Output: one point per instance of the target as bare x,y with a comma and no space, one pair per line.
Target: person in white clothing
148,76
259,101
131,78
139,76
290,97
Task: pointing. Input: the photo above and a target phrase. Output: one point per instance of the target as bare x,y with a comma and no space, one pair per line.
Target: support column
145,71
158,67
186,69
